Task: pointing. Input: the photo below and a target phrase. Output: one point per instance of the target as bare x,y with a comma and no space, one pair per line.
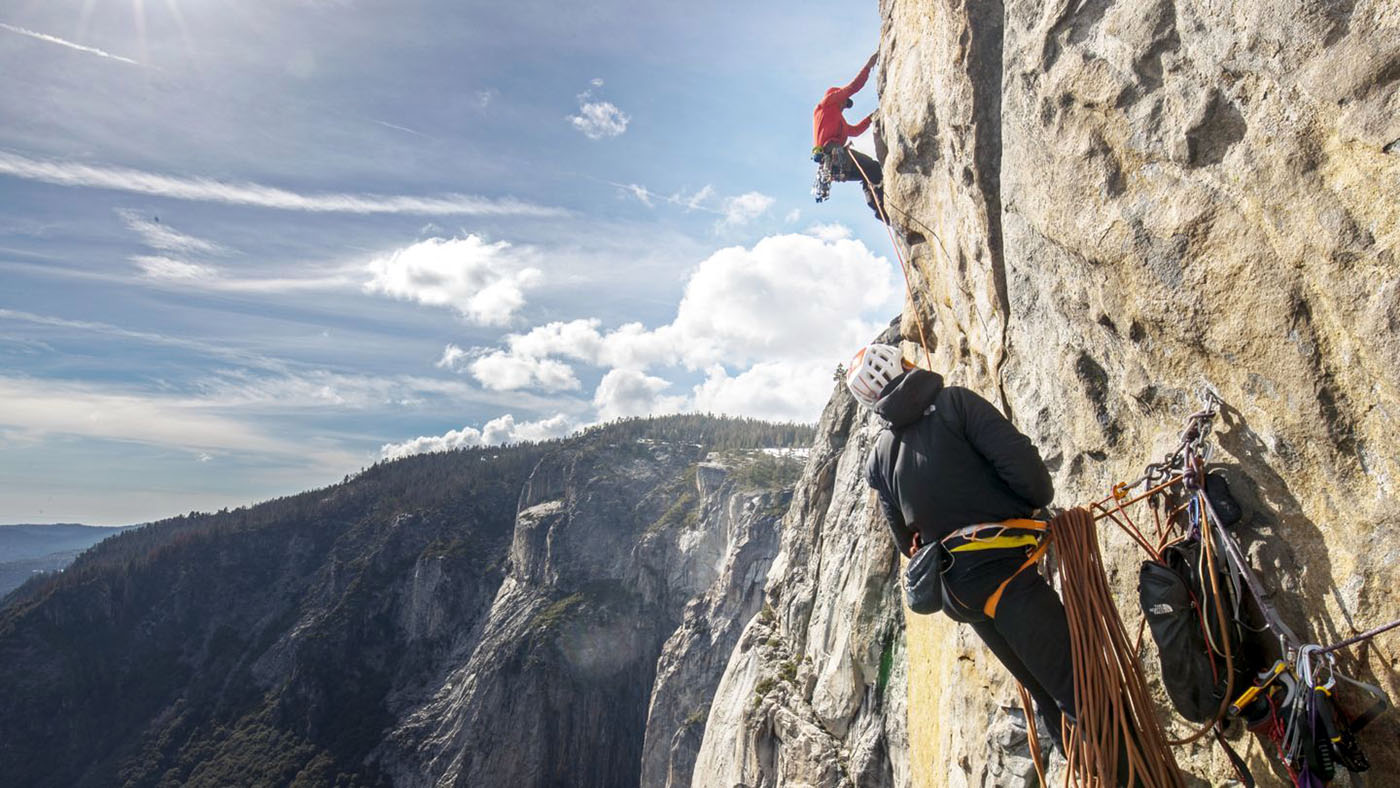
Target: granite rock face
1109,207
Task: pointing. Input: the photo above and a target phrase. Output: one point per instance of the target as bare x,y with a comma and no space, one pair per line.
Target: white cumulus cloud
596,118
777,391
766,324
485,282
506,372
630,346
829,232
504,429
628,392
745,208
789,297
452,357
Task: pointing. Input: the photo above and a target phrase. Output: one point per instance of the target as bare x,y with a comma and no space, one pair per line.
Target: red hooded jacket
828,125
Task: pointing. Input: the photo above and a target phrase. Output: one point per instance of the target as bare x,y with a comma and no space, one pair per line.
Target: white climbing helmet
871,369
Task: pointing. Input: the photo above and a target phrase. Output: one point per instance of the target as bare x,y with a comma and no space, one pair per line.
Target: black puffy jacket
949,459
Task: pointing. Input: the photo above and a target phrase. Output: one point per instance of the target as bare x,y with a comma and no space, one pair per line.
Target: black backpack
1179,602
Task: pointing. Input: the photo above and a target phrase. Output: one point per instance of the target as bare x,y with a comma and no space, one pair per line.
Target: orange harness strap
990,607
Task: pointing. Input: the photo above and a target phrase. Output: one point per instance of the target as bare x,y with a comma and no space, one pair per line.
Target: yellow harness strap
997,543
1006,540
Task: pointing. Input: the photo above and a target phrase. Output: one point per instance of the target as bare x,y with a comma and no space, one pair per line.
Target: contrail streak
65,43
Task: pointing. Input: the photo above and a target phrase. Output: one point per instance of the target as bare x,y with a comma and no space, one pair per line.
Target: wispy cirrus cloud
40,407
396,127
109,330
159,267
166,238
65,43
170,265
734,211
69,173
287,384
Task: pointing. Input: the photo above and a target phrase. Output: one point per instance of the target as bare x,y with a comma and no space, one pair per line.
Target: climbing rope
1116,732
1367,635
1116,717
903,264
1117,726
1032,734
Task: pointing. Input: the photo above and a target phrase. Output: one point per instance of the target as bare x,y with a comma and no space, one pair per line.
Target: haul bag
1193,680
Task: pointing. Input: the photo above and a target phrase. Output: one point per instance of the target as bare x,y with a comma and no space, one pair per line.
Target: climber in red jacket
835,161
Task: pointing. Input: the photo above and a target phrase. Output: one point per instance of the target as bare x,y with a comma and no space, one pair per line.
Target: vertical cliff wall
631,569
814,693
1112,205
534,615
1109,207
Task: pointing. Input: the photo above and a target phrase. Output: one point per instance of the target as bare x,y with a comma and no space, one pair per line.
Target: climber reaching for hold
835,160
953,475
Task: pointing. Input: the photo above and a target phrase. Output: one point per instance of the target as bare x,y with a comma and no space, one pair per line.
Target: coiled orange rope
1116,739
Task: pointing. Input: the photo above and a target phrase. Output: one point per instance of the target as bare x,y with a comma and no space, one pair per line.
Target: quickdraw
821,187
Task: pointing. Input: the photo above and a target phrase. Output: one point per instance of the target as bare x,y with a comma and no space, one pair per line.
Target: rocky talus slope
540,615
1108,206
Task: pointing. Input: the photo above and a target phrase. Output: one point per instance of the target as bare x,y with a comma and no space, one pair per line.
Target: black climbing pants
1029,634
844,169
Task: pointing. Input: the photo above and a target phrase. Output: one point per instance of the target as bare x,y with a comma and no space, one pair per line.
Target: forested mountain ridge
285,642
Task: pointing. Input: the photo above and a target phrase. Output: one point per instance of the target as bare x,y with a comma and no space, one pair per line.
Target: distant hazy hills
26,549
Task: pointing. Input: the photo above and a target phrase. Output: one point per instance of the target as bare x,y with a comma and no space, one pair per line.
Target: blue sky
247,248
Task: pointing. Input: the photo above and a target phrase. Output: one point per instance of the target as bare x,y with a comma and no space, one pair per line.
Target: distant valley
28,549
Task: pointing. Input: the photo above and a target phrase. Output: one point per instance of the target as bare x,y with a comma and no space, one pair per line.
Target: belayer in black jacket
952,472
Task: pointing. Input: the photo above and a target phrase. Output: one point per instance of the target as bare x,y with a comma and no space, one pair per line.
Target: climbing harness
1290,703
1018,532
